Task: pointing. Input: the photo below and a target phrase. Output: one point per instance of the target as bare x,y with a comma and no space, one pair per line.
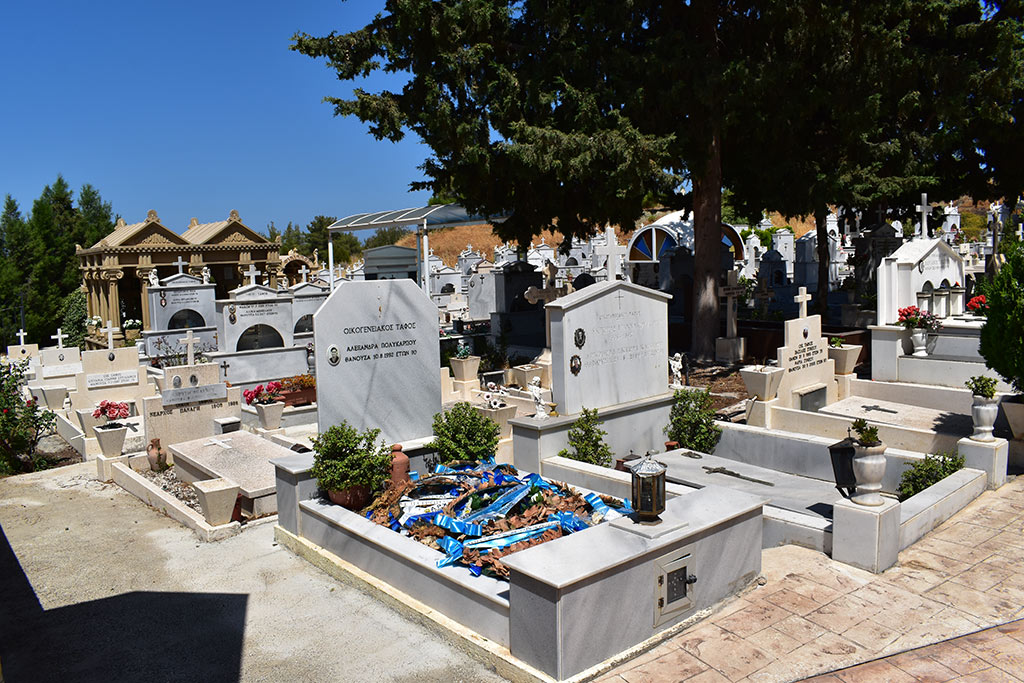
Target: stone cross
550,292
223,443
181,263
613,251
731,292
303,271
190,343
802,298
252,273
925,209
109,330
60,338
21,336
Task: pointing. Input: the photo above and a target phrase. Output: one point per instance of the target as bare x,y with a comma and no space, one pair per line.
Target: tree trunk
707,251
821,228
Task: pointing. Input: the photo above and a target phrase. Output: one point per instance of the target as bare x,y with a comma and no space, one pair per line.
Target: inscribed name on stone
805,359
377,350
192,399
112,375
255,305
111,379
609,345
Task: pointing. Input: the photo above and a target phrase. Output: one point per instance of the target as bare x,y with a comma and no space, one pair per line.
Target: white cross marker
252,273
613,251
218,442
21,336
303,271
109,330
925,209
731,292
802,298
60,338
180,263
190,343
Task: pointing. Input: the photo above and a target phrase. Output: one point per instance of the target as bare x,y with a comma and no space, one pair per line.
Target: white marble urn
919,338
868,469
983,413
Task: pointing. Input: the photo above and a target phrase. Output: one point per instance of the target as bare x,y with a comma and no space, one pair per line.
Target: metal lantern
648,489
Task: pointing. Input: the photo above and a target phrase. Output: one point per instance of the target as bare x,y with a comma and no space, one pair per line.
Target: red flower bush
977,305
263,394
112,410
913,317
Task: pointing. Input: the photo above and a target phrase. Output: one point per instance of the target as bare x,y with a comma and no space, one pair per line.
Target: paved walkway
815,616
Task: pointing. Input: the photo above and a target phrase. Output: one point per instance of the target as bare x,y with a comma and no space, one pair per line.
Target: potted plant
111,434
132,329
464,365
269,407
868,464
843,355
298,390
762,381
93,324
350,465
920,323
985,406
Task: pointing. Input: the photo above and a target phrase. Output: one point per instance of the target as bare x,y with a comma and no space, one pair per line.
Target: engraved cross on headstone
732,291
303,271
109,330
802,298
252,273
223,443
224,365
60,338
21,336
925,209
613,250
181,263
190,344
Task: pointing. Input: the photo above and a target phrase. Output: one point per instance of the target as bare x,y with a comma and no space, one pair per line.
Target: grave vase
131,335
983,412
868,469
270,414
956,300
924,301
1014,410
465,369
940,304
845,357
919,338
111,438
762,383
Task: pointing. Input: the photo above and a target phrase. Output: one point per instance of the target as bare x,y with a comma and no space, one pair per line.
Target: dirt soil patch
168,481
723,381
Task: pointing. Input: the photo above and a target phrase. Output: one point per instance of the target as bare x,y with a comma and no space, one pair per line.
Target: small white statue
154,279
206,275
675,364
537,393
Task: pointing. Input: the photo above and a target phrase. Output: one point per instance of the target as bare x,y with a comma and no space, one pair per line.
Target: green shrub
586,439
931,470
344,457
463,433
982,386
1002,337
22,422
692,421
866,436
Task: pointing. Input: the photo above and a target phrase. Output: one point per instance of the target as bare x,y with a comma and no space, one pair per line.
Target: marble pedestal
866,537
988,456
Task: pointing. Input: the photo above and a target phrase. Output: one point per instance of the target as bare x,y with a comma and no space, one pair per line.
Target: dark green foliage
384,236
72,314
344,456
1002,337
691,421
866,436
463,433
586,439
22,422
980,385
931,470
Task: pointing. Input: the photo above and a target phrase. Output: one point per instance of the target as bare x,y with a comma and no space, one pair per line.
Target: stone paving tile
922,667
982,576
774,643
709,676
871,635
843,613
726,652
954,550
956,658
825,653
752,619
990,675
799,629
810,589
793,602
964,533
873,672
991,607
677,665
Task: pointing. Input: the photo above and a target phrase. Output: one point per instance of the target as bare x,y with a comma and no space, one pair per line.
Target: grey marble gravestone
377,359
609,345
181,301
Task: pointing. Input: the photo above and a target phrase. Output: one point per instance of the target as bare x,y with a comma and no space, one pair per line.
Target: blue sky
192,109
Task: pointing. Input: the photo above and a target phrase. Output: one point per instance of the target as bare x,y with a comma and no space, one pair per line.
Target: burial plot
731,348
23,351
609,345
180,302
59,365
809,379
377,350
255,317
921,265
308,297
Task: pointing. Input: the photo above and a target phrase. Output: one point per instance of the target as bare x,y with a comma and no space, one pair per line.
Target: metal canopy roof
437,216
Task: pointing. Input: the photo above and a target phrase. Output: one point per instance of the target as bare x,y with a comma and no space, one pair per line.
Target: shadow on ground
141,636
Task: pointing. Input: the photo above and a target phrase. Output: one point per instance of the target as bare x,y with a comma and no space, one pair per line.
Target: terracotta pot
299,397
465,369
983,413
111,439
352,498
620,463
399,465
919,338
270,414
869,469
671,446
845,357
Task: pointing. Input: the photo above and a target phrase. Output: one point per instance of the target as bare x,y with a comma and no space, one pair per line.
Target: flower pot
217,498
919,338
131,335
352,498
111,438
845,357
762,382
299,397
54,397
270,414
465,369
1015,416
983,412
671,446
620,463
868,468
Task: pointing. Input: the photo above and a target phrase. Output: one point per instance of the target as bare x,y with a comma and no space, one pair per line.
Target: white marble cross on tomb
223,443
925,209
21,336
613,251
303,271
802,298
731,292
190,343
252,273
109,330
60,338
181,263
